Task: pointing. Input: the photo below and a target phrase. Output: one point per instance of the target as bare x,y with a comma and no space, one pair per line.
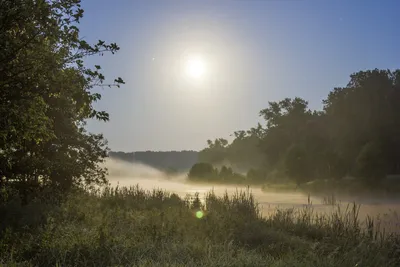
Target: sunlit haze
195,67
197,70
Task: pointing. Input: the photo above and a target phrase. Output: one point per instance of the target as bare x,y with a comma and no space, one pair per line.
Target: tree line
171,161
357,133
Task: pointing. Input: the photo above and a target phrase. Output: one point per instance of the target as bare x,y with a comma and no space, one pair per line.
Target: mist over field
122,173
119,169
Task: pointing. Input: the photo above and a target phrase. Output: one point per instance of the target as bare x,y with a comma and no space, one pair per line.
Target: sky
252,51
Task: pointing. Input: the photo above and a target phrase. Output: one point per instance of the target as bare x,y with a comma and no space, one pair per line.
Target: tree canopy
356,133
46,97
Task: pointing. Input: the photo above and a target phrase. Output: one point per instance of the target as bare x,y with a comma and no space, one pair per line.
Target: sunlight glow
195,67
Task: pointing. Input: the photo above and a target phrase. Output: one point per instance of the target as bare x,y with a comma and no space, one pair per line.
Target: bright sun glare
195,67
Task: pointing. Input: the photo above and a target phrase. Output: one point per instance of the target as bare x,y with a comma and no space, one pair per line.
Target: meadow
130,226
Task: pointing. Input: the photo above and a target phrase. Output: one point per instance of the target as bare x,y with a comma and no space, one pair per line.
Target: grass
133,227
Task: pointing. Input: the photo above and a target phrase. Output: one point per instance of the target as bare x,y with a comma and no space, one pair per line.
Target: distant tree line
205,172
356,133
164,160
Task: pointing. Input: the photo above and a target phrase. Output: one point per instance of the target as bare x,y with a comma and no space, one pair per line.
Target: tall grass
134,227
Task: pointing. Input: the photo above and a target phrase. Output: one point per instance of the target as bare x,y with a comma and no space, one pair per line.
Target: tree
216,151
297,164
204,171
286,122
225,173
357,132
46,97
244,151
364,111
371,163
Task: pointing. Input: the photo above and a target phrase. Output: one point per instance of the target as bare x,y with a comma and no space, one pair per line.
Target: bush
227,175
225,172
202,171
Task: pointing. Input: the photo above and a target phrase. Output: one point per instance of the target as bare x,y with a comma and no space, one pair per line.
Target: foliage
243,153
296,162
202,171
370,163
46,97
357,132
133,227
216,151
205,172
227,175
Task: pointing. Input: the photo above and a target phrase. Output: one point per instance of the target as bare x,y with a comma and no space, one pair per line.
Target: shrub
203,171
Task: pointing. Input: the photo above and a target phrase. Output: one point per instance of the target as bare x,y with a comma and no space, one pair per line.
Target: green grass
133,227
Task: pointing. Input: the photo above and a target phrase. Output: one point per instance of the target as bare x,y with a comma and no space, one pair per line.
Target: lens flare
199,214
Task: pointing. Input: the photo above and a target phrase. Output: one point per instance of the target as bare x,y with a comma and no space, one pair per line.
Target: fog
122,173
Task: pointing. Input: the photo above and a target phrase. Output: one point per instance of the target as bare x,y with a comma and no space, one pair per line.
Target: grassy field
133,227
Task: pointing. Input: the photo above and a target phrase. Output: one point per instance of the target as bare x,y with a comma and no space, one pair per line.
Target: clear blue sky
253,52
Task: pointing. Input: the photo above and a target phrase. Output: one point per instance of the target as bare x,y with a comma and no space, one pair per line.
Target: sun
195,67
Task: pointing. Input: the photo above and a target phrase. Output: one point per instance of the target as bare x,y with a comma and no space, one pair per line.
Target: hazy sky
253,52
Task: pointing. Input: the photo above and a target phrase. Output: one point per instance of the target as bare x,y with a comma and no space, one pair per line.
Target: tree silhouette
46,97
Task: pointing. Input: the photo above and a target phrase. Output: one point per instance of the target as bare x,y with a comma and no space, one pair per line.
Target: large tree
46,96
285,122
216,151
363,113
